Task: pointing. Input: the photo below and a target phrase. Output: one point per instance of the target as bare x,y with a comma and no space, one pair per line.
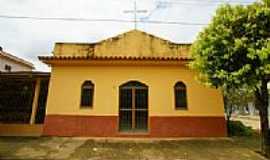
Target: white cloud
31,38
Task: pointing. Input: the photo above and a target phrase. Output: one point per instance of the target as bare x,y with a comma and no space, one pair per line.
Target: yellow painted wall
68,75
66,81
21,129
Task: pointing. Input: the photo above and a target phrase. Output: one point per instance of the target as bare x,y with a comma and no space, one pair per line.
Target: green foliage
237,128
233,51
239,97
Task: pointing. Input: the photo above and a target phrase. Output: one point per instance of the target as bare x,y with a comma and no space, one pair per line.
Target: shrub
237,128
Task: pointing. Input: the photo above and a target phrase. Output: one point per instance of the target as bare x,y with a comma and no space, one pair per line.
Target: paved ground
87,149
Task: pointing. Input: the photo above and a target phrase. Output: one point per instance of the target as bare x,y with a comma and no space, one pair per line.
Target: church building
130,85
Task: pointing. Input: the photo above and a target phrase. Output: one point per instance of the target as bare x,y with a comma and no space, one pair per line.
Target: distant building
11,63
23,96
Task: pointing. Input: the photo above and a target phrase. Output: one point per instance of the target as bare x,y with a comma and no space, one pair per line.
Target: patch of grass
237,128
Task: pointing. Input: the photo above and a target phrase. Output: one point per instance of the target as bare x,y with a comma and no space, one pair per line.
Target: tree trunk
228,108
262,106
229,112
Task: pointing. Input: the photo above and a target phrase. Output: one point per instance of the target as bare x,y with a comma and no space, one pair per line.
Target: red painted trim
188,127
106,126
65,125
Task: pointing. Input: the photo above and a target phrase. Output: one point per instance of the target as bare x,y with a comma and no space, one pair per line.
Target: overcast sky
28,38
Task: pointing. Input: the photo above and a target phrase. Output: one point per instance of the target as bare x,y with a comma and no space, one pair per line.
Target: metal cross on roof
135,11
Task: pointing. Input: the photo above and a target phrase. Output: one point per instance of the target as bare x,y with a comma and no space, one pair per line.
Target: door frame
147,131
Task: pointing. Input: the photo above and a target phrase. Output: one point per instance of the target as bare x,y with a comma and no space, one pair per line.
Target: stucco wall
134,43
66,81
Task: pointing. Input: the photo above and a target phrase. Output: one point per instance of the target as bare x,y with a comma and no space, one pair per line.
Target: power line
142,20
100,20
171,22
163,4
203,3
216,1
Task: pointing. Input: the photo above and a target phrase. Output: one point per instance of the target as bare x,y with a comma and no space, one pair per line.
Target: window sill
181,109
86,107
133,133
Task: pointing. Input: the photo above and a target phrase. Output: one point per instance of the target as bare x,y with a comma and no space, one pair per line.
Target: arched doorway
133,107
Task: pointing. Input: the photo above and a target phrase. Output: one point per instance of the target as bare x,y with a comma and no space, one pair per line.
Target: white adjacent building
11,63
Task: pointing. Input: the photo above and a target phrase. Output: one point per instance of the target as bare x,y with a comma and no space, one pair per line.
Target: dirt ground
64,148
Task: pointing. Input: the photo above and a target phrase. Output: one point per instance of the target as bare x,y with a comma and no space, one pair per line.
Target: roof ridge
144,32
124,33
17,59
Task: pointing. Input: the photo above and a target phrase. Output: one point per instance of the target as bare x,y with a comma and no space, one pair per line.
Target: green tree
233,52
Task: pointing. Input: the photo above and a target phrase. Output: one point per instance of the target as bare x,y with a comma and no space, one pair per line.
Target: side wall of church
204,116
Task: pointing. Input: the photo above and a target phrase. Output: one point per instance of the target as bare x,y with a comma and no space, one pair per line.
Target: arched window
87,94
180,94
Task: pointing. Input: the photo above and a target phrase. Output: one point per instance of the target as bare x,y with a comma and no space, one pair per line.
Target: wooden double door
133,107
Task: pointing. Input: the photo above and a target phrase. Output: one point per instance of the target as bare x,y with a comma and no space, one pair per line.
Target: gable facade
133,85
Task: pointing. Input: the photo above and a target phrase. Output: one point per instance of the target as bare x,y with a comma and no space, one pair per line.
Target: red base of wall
107,126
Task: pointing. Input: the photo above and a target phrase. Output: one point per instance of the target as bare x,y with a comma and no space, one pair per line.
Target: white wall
15,66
